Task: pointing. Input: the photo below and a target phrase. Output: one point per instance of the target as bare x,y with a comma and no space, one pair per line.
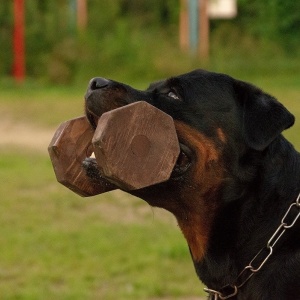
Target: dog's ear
263,117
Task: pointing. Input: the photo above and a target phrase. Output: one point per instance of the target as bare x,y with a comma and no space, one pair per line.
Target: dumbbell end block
136,146
70,145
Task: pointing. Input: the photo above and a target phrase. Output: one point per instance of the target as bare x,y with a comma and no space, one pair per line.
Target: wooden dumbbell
136,145
70,145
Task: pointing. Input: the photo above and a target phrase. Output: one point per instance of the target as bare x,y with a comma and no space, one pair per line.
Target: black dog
234,181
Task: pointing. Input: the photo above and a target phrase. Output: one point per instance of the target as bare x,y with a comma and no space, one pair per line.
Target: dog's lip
92,118
183,162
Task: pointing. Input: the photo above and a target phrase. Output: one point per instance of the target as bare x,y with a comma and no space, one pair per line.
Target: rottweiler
235,187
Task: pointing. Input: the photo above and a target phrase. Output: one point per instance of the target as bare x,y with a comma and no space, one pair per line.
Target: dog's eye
173,95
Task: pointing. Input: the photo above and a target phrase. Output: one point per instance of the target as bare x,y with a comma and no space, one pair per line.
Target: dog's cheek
199,206
199,196
207,169
194,198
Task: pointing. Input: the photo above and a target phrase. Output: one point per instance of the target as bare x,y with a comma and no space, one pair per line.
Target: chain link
250,269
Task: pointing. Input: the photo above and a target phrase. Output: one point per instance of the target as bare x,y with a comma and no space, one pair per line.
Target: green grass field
56,245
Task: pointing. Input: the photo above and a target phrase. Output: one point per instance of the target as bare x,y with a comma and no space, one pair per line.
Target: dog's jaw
193,204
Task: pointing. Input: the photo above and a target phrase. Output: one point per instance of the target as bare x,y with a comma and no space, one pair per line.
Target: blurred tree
276,20
46,25
120,32
6,29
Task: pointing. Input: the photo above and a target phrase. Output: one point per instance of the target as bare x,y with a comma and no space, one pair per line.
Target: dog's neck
244,225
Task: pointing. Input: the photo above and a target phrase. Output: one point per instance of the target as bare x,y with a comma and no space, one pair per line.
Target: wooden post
81,15
184,26
18,41
194,27
203,43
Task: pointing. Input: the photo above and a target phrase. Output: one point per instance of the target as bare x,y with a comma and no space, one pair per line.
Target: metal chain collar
262,256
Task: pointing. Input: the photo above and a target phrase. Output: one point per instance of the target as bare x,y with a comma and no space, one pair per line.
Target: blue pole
72,16
193,25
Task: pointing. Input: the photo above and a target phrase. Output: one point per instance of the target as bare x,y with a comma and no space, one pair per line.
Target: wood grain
70,145
136,145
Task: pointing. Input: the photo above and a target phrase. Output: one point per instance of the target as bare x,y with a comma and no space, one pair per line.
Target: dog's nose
98,83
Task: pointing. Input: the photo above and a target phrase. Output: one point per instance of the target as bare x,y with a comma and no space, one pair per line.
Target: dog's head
218,121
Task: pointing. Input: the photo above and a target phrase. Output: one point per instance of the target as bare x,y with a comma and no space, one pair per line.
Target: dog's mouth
184,160
92,118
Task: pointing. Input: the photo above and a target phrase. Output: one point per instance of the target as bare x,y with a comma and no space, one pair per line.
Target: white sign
222,9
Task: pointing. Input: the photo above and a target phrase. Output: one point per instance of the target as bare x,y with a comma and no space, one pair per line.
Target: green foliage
276,20
129,39
122,37
6,23
47,28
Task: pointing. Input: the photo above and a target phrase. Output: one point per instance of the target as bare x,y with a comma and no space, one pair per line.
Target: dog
235,187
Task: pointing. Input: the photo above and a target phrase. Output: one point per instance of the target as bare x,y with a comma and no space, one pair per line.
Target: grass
56,245
44,106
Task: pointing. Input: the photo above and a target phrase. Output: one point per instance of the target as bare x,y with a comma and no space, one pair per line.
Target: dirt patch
24,135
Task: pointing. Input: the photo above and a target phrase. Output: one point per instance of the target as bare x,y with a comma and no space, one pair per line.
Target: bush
135,38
